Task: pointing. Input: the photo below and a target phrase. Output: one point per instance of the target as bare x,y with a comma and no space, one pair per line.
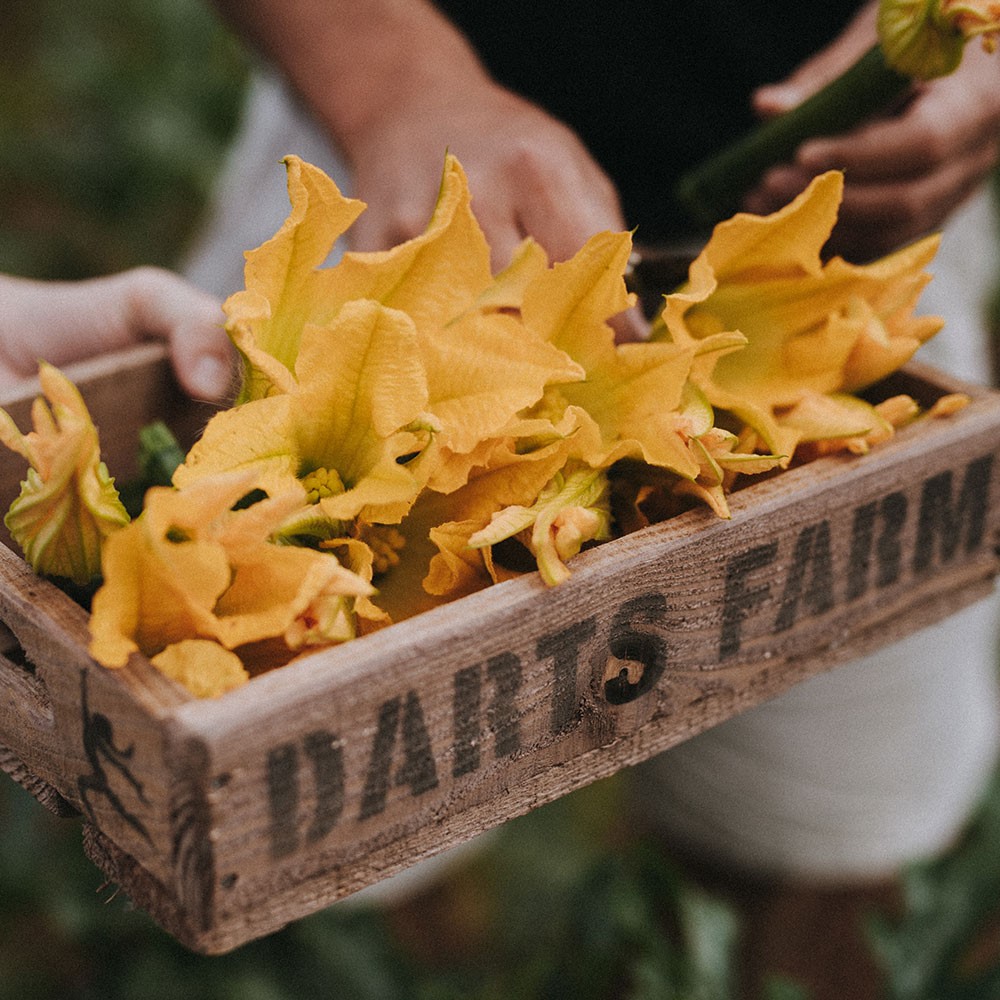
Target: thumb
204,371
191,322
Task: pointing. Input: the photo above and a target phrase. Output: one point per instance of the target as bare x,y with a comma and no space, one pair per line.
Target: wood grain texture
231,817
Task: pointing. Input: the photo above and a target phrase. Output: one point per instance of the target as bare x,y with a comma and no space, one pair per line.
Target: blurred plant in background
113,120
114,117
548,910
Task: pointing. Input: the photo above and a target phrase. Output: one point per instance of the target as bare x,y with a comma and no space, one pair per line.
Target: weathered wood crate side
79,737
345,766
350,764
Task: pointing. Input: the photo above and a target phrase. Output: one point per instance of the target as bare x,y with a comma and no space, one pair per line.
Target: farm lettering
885,543
326,758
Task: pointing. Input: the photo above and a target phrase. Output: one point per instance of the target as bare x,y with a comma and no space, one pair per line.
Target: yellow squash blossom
432,278
68,503
810,326
379,355
438,562
197,566
283,279
631,392
508,287
202,666
355,410
721,454
926,38
572,510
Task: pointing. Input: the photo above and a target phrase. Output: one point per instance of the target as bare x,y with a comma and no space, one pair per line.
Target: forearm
353,61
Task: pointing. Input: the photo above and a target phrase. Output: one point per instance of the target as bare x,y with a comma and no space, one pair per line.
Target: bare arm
65,321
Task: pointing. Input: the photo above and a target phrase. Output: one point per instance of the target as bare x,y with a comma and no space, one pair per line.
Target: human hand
65,321
905,173
529,176
396,85
528,173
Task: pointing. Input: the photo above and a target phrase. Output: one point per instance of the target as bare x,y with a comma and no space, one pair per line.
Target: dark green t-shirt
651,88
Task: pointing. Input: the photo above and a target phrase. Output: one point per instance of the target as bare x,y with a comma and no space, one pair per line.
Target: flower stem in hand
714,190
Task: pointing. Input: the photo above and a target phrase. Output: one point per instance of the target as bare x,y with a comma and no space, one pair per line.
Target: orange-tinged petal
570,304
194,567
523,436
204,667
438,526
786,244
285,287
632,393
296,593
635,397
155,592
68,504
810,327
354,412
571,510
434,277
507,291
835,415
361,381
948,404
456,569
482,370
257,436
165,571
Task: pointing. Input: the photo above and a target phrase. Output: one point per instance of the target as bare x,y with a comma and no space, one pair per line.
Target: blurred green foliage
552,911
946,946
113,119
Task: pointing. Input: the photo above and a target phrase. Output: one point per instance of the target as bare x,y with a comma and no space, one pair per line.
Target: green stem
159,454
714,190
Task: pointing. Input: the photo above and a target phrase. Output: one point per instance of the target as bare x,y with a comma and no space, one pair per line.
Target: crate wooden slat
228,818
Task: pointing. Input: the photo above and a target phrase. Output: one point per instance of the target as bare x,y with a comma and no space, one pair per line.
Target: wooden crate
228,818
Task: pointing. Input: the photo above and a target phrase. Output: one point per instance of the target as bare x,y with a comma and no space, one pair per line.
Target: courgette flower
629,403
196,565
572,510
68,503
354,411
924,39
810,326
371,378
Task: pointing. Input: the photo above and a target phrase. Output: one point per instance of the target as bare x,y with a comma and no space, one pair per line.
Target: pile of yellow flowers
411,425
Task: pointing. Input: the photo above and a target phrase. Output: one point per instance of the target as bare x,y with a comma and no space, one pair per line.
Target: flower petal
68,504
205,668
285,287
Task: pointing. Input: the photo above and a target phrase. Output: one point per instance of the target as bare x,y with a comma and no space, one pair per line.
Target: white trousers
851,773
